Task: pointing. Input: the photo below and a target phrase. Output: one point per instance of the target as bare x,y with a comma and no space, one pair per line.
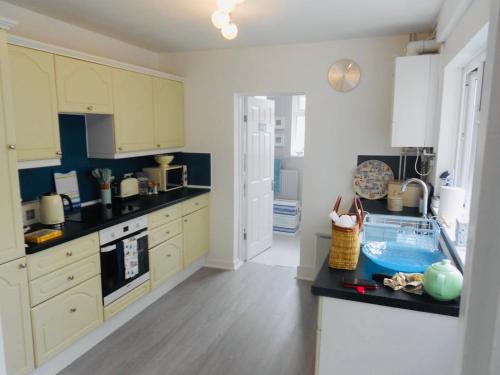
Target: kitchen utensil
395,203
443,281
164,160
52,209
371,179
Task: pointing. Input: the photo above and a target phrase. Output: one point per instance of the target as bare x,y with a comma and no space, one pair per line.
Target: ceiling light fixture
221,18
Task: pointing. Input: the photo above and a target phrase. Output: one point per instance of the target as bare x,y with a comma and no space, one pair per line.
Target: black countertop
328,281
99,220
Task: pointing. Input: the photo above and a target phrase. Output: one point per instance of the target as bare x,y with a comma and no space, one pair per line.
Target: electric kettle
52,209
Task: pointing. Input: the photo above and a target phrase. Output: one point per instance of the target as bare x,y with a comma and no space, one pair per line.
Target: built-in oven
124,258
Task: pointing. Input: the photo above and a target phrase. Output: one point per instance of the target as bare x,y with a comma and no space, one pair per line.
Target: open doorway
272,152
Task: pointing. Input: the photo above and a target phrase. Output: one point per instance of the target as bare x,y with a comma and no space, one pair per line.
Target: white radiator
289,188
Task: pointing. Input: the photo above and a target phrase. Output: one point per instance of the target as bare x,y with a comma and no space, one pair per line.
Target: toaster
125,187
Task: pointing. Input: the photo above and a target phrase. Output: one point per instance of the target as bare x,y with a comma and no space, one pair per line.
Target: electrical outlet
31,213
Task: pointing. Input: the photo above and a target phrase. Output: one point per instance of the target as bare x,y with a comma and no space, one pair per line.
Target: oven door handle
107,249
142,234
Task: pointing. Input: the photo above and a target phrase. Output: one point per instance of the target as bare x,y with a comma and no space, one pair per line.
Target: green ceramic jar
443,281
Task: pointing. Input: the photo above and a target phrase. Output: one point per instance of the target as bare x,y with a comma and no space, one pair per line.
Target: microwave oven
168,178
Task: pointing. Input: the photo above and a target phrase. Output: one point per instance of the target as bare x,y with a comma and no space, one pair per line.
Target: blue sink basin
401,257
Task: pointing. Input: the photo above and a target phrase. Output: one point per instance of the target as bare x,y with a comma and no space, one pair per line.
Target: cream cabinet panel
195,232
83,87
121,303
35,103
57,257
164,216
165,260
194,204
169,113
62,320
15,315
165,232
54,283
12,244
133,102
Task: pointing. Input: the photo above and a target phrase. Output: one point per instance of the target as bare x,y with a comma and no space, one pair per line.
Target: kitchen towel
451,204
131,257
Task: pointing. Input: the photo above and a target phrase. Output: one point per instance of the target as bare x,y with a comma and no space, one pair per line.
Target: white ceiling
173,25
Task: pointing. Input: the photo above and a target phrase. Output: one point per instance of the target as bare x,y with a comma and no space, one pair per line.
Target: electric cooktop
99,212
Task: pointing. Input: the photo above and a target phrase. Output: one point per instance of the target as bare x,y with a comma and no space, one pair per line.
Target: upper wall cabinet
415,97
83,87
169,113
133,122
35,103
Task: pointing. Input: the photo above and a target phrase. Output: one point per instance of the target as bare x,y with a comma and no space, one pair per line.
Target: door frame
240,200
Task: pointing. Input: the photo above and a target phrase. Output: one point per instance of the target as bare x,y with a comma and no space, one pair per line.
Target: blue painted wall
37,181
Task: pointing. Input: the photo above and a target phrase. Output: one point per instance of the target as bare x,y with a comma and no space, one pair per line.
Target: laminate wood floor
258,320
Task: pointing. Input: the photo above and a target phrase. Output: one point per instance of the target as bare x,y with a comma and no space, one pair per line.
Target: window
468,130
298,126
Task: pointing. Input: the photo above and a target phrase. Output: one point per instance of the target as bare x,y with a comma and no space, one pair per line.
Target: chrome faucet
426,192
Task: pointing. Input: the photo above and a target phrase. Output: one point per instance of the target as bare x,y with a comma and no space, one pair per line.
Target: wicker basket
344,249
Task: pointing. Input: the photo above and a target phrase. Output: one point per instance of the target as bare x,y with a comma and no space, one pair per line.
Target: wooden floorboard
257,320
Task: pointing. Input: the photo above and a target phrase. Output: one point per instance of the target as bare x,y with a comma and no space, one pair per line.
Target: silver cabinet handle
23,265
90,107
169,255
69,253
12,147
158,145
59,153
71,278
167,232
120,148
72,310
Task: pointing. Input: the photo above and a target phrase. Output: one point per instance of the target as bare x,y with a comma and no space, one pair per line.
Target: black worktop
328,282
144,204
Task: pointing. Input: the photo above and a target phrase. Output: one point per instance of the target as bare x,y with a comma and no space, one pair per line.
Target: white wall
339,125
49,30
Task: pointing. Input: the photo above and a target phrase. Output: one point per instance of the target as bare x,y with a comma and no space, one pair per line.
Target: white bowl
164,159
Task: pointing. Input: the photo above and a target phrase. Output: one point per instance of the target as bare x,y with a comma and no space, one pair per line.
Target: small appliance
124,258
125,187
52,209
169,177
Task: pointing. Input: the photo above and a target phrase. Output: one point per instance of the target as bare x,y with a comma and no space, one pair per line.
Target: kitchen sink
401,243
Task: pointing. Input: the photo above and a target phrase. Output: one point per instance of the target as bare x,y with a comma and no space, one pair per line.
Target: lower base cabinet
121,303
62,320
15,317
165,260
195,229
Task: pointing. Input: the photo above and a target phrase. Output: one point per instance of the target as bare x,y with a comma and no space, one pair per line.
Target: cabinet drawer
62,320
194,204
164,233
60,256
121,303
165,260
52,284
164,216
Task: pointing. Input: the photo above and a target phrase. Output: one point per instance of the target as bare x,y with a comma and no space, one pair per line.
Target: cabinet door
133,100
15,317
169,113
83,87
60,321
36,121
165,260
12,244
195,230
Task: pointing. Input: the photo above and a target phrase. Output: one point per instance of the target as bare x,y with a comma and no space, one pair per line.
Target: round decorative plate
344,75
372,178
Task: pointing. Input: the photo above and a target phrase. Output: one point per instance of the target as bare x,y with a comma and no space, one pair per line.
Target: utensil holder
105,194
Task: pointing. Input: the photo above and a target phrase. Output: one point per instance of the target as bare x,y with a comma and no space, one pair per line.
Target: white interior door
260,175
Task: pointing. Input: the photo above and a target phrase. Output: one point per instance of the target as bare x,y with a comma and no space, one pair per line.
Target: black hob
99,212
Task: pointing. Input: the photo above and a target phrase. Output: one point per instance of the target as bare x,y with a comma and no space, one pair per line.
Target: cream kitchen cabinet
83,87
62,320
195,229
415,97
168,113
133,122
15,318
33,82
165,260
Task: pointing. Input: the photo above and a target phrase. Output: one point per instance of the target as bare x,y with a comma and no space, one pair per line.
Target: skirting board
223,264
305,273
65,358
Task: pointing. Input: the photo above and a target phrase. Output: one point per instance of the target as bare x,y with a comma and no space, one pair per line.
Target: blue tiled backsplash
37,181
